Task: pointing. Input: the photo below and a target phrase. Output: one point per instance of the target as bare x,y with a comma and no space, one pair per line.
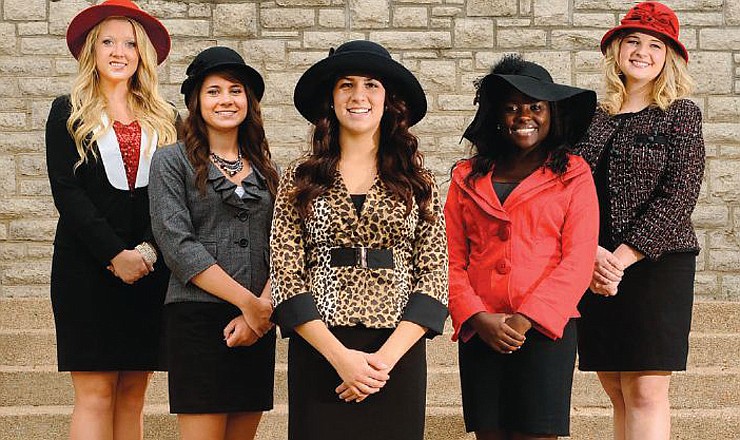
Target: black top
358,200
503,189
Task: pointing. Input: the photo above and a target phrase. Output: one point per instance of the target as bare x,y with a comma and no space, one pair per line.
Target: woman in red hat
107,282
646,149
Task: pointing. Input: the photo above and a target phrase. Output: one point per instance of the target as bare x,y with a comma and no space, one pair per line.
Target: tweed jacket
306,287
196,231
656,164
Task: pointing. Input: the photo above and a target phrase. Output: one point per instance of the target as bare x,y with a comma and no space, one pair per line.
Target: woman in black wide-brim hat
359,265
212,198
522,228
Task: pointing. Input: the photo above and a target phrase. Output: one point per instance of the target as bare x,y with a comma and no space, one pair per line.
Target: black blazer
96,220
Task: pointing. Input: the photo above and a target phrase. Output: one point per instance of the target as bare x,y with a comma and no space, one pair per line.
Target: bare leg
612,384
521,436
92,416
242,426
202,426
128,416
648,409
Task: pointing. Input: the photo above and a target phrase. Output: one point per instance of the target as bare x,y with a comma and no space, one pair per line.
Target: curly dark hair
400,163
252,141
489,145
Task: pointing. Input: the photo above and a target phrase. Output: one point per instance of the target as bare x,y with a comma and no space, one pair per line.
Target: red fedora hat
652,17
91,16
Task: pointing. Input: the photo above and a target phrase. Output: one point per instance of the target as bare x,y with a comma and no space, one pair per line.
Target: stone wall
447,43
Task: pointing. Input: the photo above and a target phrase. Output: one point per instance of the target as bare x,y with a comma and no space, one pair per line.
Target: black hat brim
316,83
576,106
254,79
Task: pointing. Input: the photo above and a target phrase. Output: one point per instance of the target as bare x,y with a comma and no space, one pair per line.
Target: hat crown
212,56
653,15
360,46
532,70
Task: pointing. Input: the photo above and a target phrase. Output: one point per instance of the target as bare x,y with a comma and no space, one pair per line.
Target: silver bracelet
147,251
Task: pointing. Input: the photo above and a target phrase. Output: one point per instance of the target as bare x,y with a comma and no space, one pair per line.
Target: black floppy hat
576,106
218,58
361,57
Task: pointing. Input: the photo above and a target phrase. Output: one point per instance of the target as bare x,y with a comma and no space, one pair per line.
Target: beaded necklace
230,167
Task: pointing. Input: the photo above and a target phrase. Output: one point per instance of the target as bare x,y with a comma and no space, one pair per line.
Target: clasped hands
130,266
362,374
608,272
252,324
503,332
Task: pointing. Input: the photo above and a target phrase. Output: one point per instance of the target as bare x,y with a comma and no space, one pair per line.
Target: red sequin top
129,141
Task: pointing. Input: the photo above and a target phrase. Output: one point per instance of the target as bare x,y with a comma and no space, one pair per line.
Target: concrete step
700,387
31,348
35,313
52,422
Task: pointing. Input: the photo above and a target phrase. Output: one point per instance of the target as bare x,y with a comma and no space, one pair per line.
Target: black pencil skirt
205,375
396,412
527,391
645,327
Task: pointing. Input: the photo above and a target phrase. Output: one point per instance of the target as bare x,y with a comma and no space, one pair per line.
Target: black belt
367,258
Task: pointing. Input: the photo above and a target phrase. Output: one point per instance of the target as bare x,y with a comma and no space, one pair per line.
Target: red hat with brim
90,17
653,18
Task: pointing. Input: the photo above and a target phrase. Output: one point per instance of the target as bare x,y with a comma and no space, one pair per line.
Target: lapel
110,154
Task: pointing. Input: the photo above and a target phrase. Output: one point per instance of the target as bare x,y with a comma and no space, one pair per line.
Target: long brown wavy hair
252,141
400,163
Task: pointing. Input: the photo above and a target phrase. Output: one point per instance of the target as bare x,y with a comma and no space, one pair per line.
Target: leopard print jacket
306,287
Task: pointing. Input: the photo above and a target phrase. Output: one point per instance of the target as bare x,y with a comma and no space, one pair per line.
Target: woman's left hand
519,322
237,333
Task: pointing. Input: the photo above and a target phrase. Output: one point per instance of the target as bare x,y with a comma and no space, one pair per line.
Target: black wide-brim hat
576,106
358,57
219,58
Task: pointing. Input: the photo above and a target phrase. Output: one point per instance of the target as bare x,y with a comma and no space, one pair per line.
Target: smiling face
641,57
525,121
116,54
358,104
223,103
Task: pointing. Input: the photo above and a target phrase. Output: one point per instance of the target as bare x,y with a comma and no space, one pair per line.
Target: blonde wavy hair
155,115
673,82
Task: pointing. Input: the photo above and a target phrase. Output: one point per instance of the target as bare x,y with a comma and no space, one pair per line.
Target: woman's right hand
608,272
257,315
494,331
129,266
359,377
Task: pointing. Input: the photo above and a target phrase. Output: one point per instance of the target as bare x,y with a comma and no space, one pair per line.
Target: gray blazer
195,231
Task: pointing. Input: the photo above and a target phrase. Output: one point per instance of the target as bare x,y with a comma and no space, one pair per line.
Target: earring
499,127
331,106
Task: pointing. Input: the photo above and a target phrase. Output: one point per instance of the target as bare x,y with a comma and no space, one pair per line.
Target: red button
503,233
503,267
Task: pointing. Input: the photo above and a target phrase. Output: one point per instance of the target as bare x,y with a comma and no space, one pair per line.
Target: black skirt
103,324
396,412
207,377
645,327
527,391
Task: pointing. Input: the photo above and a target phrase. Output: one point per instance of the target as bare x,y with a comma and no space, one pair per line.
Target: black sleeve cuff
427,312
297,310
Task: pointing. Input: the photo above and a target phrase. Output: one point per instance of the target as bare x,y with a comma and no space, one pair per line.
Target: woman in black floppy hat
522,229
211,202
359,263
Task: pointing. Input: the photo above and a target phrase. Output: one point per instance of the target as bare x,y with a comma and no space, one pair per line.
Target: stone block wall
447,43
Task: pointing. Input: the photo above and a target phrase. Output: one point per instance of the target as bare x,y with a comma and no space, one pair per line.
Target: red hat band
650,14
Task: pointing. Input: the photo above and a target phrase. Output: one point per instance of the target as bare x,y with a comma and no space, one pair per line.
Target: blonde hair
673,82
154,114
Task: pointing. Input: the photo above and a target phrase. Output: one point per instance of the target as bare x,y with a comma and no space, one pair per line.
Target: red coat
534,255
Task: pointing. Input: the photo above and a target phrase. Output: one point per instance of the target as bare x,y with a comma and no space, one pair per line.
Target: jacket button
243,242
243,215
503,233
503,267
